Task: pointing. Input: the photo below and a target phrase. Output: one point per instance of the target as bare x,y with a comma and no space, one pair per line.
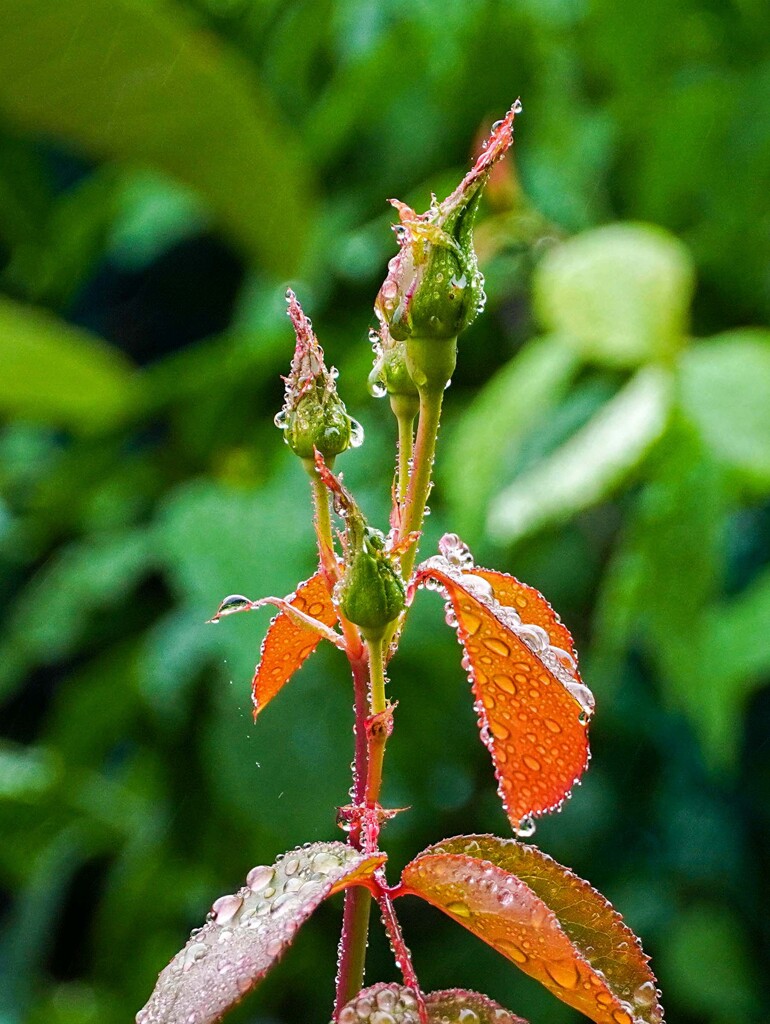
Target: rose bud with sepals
371,593
434,288
314,417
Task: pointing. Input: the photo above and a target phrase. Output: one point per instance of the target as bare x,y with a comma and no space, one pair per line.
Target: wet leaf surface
394,1004
532,705
246,933
546,920
287,644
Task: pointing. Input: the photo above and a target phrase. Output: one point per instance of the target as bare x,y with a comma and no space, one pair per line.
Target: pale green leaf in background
621,293
54,373
590,465
517,397
725,385
126,80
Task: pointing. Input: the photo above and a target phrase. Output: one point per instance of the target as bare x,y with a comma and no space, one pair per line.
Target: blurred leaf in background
166,166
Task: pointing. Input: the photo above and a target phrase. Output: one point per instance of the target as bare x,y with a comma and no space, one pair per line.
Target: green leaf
591,464
725,387
620,293
58,374
250,930
735,658
26,773
134,81
664,578
394,1004
503,412
53,611
544,919
710,965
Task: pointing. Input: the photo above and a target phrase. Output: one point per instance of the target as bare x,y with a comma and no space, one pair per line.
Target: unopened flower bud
313,414
371,593
390,374
434,288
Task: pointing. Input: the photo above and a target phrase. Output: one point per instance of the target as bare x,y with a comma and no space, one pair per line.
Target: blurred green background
166,169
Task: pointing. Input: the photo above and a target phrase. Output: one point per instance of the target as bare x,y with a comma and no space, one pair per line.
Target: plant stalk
422,466
377,737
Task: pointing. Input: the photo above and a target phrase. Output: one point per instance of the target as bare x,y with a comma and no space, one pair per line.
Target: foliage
132,785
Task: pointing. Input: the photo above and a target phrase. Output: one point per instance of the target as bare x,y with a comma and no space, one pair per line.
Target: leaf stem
401,950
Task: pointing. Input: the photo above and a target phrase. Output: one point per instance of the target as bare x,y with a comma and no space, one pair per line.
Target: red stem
400,949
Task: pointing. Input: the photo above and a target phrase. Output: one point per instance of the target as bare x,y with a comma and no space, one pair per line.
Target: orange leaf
532,705
531,606
287,643
247,932
546,920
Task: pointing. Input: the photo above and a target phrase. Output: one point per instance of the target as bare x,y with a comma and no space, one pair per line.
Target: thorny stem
355,923
356,912
400,949
369,766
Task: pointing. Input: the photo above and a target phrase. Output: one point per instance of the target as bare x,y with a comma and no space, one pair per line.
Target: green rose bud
390,374
434,288
371,592
313,414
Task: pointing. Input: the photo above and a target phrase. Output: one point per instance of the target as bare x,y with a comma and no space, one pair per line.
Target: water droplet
563,972
517,107
225,908
193,954
376,385
233,603
281,419
510,949
259,877
492,643
526,827
356,434
458,908
645,995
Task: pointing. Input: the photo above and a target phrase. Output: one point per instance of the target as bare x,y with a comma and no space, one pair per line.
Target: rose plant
533,707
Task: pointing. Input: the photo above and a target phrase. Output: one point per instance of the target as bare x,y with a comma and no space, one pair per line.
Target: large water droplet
563,972
233,603
225,908
259,877
376,385
356,434
526,827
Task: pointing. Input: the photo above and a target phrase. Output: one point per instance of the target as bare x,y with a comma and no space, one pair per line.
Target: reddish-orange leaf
533,708
287,643
531,606
388,1003
546,920
246,933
